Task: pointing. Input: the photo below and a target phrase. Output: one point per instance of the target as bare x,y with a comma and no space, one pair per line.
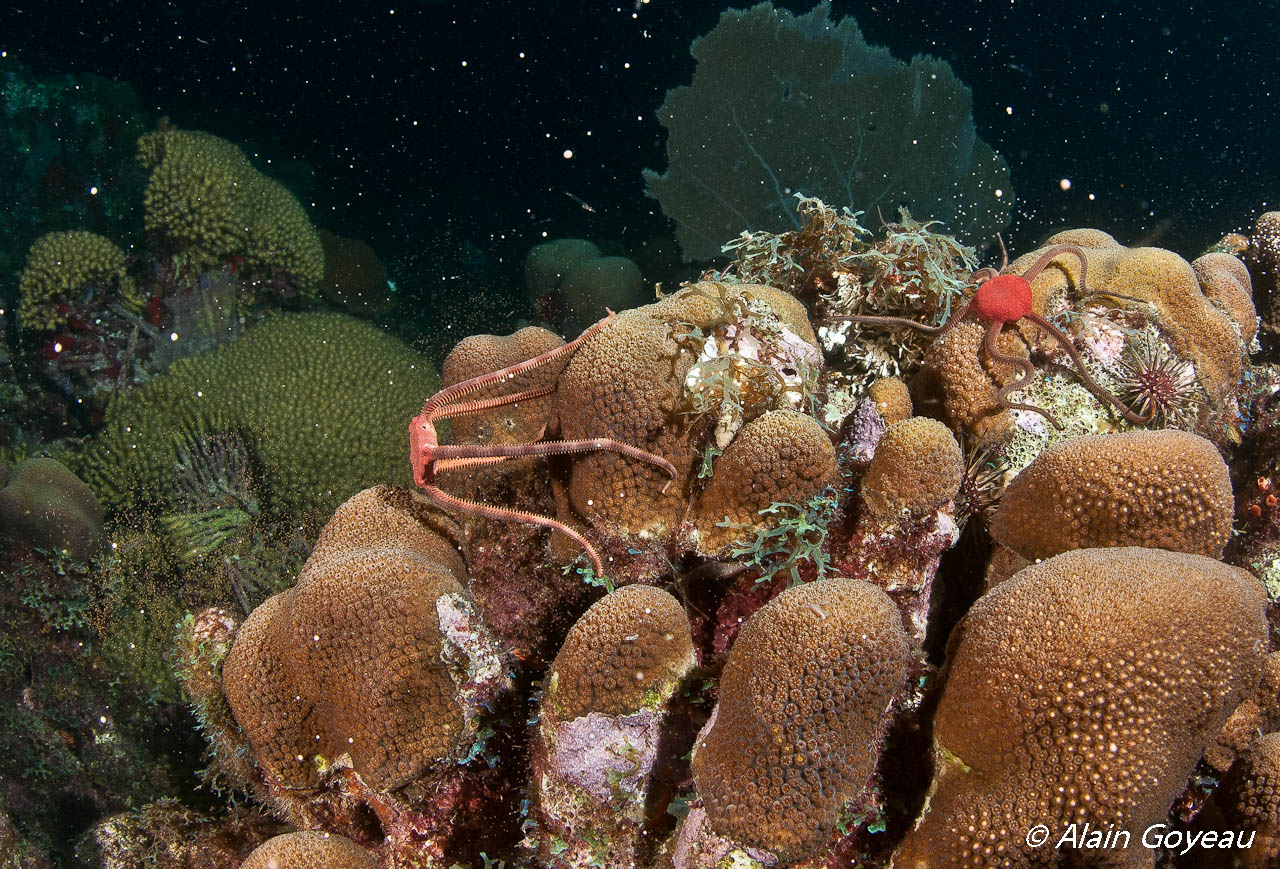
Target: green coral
206,199
325,399
63,265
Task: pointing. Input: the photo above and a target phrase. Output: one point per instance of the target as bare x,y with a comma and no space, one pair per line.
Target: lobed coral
629,649
354,277
906,517
546,264
1166,335
602,736
521,422
892,399
569,280
362,702
916,468
1210,335
795,734
322,396
1162,489
1256,789
206,200
1261,250
632,378
307,850
1255,716
1083,691
351,660
781,457
63,265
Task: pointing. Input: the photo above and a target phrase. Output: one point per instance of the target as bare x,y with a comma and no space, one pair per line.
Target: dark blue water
426,118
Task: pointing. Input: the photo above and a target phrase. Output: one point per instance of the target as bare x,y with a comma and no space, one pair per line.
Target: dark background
435,130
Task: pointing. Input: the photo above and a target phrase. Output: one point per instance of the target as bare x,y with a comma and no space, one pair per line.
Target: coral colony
961,576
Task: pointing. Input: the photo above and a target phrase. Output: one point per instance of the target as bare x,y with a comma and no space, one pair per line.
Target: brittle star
1002,299
429,457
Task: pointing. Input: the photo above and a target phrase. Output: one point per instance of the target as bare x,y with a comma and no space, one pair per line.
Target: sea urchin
1155,382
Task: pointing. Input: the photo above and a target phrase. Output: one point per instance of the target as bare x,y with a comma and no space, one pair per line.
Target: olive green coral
60,265
323,397
206,199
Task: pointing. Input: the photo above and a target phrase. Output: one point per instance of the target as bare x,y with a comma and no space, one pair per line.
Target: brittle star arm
434,406
551,448
1053,253
876,320
444,499
1099,391
1024,365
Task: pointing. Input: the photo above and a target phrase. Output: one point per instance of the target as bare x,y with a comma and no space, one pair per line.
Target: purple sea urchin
1155,382
983,484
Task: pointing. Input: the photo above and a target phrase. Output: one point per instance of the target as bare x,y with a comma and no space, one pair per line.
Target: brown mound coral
1257,801
748,347
1200,318
46,506
1084,690
1226,282
916,468
892,399
958,375
354,659
795,734
631,646
1258,714
1193,325
522,422
602,733
1161,489
783,456
309,851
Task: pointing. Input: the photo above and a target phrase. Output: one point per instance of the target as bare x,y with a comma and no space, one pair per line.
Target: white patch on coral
473,657
609,756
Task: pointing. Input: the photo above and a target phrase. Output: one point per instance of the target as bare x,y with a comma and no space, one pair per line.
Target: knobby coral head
429,457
